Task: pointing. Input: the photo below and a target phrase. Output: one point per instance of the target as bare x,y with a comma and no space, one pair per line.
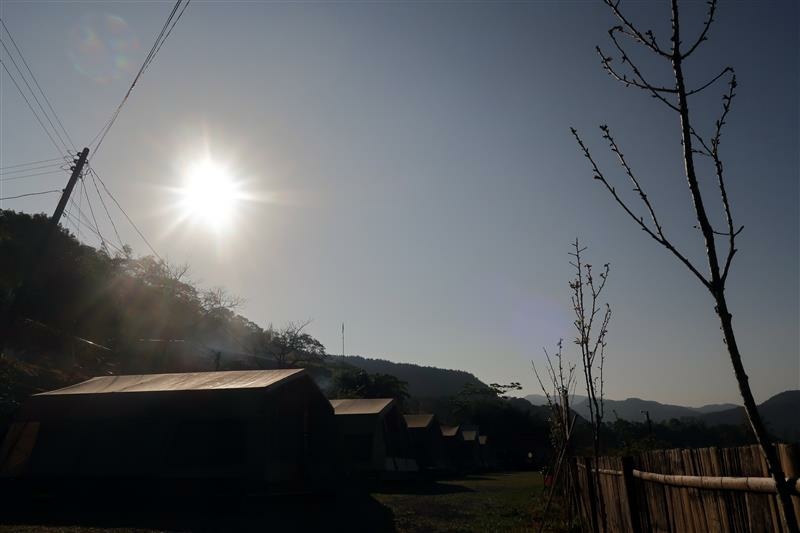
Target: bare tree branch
648,39
659,238
712,8
711,82
727,100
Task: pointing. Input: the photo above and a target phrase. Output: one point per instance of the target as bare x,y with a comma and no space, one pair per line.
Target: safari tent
486,452
471,453
266,428
373,436
452,439
426,437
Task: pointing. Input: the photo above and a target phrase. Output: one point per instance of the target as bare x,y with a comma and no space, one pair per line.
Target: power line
126,215
80,205
30,169
91,211
169,31
35,114
59,171
35,81
35,98
81,220
103,202
34,163
101,135
30,194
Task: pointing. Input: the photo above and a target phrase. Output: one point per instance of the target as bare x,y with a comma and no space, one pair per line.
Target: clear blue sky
426,185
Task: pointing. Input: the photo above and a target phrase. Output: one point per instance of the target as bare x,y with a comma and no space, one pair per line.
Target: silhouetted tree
359,384
289,346
694,146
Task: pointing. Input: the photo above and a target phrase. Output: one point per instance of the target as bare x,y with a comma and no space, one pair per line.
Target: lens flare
101,45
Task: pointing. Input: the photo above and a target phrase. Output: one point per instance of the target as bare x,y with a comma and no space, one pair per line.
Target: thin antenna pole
342,339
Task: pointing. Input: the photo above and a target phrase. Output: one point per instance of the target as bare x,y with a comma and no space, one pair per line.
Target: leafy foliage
359,384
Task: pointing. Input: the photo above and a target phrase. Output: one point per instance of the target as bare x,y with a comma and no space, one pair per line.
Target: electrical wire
126,216
91,211
58,171
36,82
84,220
30,169
68,211
35,98
30,194
169,31
103,202
34,163
76,220
80,204
166,29
35,114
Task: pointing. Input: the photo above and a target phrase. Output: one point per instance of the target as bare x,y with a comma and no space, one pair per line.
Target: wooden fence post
593,494
630,494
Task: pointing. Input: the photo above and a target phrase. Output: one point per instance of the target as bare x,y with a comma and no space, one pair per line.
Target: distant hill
714,407
631,408
423,381
780,413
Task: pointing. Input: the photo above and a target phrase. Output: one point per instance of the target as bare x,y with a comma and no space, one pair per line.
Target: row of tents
270,428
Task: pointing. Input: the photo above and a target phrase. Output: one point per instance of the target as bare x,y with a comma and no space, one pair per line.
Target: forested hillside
423,381
70,312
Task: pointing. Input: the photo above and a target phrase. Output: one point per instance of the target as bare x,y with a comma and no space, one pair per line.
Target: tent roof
450,431
240,379
372,406
469,434
419,421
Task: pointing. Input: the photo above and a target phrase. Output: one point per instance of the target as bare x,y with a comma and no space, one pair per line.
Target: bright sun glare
209,195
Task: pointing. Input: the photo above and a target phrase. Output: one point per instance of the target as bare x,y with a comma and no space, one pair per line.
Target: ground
488,502
502,502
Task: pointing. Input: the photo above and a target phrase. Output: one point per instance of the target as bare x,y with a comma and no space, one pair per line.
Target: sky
409,171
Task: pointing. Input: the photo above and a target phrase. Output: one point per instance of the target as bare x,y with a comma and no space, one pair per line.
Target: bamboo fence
683,491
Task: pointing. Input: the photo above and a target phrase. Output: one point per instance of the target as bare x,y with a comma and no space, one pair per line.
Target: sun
209,195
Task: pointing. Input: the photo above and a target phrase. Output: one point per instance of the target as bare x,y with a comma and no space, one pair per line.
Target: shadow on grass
421,488
346,510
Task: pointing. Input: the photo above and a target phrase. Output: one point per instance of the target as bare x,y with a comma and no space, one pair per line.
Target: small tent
268,428
471,453
426,436
451,435
373,436
487,453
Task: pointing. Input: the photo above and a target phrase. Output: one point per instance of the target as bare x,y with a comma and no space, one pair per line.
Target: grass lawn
503,502
488,502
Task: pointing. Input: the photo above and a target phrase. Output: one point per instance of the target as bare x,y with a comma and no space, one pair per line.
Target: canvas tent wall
271,428
453,446
471,454
373,436
426,436
486,452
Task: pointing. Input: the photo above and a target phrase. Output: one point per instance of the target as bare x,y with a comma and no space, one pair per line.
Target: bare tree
592,328
561,384
693,145
289,346
591,325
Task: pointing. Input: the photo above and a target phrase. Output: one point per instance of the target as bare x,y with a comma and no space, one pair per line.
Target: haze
414,176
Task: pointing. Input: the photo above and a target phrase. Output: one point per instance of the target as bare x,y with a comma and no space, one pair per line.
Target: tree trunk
785,506
717,288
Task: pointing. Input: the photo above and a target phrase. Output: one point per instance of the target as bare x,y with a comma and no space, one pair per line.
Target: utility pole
37,255
77,169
